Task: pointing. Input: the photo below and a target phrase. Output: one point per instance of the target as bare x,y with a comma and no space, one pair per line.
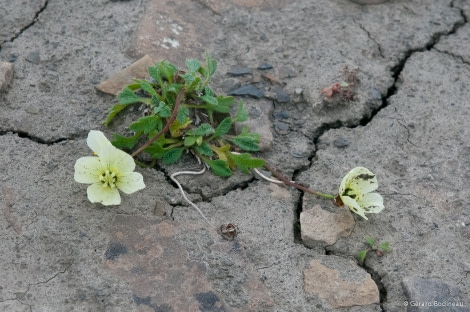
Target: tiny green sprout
379,250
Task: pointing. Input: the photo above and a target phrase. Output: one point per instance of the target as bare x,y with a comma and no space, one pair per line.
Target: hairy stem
174,113
298,186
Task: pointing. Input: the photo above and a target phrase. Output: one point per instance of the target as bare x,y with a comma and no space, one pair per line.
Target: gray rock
341,142
286,71
264,66
432,295
6,75
230,84
281,95
34,57
238,70
248,90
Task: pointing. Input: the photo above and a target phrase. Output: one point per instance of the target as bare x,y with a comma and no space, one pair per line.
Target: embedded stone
248,90
320,227
6,75
118,81
340,282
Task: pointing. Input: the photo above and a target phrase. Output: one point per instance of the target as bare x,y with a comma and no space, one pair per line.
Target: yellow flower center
353,193
108,179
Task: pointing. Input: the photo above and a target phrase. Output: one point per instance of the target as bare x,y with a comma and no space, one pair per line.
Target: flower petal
97,141
130,182
372,203
97,193
354,206
363,179
117,160
87,169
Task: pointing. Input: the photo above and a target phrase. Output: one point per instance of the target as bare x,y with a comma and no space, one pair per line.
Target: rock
239,71
265,66
321,227
431,294
6,75
248,90
341,142
340,282
230,84
281,95
281,127
118,81
286,72
280,114
34,57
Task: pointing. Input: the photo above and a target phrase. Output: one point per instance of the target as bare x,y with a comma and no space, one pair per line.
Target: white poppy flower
356,189
110,171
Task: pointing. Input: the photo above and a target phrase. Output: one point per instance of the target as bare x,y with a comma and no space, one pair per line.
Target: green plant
379,250
184,114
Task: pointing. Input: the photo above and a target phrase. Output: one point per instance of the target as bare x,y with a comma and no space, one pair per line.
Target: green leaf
172,155
219,167
209,99
385,246
223,127
156,149
208,91
202,130
189,140
167,69
245,162
183,113
120,141
370,241
362,255
211,65
241,114
247,141
193,65
145,124
147,87
162,110
204,149
127,96
155,74
113,112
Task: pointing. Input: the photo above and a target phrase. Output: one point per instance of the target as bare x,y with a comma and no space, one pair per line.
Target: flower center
353,193
108,179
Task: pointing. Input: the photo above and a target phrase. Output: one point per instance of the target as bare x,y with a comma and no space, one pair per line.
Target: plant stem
298,186
167,125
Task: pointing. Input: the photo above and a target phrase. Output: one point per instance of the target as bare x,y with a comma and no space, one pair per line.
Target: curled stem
298,186
174,113
172,177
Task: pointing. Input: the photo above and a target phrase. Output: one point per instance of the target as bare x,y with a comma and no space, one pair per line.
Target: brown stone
340,282
146,254
6,75
323,228
174,31
118,81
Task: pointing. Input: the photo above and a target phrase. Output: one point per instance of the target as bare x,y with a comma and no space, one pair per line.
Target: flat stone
265,66
340,282
248,90
341,142
319,227
432,295
118,81
286,71
238,70
6,75
34,57
174,31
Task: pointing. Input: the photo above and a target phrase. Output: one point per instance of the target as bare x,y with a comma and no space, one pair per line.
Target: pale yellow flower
356,189
111,170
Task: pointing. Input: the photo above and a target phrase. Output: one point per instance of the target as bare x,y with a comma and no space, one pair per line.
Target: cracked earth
408,123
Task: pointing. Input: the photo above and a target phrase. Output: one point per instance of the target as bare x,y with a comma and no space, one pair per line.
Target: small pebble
341,142
265,66
239,70
248,90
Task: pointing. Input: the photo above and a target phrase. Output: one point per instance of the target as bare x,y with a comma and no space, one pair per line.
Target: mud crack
26,135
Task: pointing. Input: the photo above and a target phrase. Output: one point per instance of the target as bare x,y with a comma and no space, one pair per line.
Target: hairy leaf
189,140
241,114
204,149
202,130
385,246
223,128
209,99
173,155
370,241
247,141
193,65
113,112
219,167
127,96
183,113
145,124
147,87
362,255
245,162
120,141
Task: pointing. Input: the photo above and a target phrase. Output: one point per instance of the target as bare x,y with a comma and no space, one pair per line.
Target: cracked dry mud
408,124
